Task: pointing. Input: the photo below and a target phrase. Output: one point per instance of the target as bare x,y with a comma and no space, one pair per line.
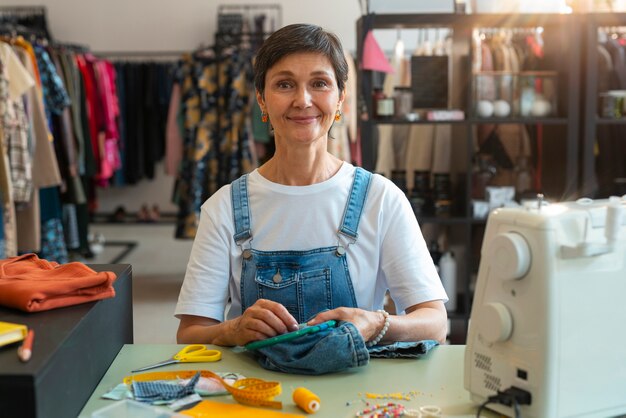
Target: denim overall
305,282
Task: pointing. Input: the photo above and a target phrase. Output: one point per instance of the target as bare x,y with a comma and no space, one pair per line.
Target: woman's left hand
368,323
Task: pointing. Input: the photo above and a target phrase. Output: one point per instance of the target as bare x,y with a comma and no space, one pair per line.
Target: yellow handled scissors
194,353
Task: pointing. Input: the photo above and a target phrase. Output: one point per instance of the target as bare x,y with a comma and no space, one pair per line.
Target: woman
307,237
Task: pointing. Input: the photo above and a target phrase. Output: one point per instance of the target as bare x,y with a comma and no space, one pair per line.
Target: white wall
165,25
138,25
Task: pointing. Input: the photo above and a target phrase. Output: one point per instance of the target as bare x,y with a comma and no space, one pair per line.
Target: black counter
72,350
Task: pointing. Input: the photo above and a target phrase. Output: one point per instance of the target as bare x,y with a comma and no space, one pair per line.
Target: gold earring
338,115
264,117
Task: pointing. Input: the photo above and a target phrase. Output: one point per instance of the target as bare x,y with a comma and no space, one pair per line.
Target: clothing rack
141,54
514,31
247,18
29,20
610,30
23,11
270,10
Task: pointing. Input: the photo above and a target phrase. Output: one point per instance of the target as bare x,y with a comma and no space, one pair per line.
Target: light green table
438,378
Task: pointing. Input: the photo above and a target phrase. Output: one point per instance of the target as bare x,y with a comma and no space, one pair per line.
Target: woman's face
301,97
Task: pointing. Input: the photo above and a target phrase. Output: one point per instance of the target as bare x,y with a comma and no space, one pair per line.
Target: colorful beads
387,410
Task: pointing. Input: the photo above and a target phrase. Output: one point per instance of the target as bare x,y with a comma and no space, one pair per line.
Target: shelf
441,220
561,55
457,315
475,121
525,121
415,122
611,121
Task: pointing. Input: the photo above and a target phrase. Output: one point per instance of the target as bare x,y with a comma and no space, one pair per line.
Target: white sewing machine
549,310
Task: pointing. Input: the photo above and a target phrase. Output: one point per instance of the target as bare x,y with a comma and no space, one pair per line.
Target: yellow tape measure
250,391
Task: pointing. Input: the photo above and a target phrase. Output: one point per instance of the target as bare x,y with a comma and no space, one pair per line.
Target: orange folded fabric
32,284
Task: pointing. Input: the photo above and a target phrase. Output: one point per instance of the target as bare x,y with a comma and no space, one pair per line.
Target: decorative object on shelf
613,103
435,253
483,172
420,193
495,94
500,196
501,108
442,194
373,56
403,98
398,177
377,94
524,175
524,93
541,107
447,272
538,93
413,116
445,115
384,107
429,81
484,108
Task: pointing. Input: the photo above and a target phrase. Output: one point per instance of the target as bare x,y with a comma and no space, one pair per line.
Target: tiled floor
158,262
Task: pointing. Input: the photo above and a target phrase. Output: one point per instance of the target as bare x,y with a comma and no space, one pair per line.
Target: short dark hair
296,38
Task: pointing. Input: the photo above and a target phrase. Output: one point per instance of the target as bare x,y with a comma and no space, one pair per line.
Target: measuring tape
250,391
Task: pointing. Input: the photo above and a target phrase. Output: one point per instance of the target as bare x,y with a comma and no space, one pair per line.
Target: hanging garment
72,81
14,123
14,82
110,158
173,136
92,113
56,100
215,103
66,146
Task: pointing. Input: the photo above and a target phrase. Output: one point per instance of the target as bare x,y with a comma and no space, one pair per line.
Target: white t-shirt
390,252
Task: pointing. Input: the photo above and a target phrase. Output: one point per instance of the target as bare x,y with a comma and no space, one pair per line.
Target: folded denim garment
328,351
162,390
403,349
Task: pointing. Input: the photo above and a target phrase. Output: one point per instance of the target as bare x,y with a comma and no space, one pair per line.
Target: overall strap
241,209
356,202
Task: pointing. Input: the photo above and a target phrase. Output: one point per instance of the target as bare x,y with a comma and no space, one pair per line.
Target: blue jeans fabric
403,349
305,282
328,351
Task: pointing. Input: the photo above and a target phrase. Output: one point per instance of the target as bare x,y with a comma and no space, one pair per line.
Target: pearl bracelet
382,332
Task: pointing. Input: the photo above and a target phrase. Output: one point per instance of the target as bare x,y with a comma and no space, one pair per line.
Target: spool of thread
308,401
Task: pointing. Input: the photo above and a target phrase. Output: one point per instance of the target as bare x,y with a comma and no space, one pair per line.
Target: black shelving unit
560,133
594,127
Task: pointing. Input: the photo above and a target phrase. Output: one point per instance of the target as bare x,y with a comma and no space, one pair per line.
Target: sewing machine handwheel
509,256
496,322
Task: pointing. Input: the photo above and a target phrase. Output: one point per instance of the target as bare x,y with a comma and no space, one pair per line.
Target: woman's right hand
262,320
